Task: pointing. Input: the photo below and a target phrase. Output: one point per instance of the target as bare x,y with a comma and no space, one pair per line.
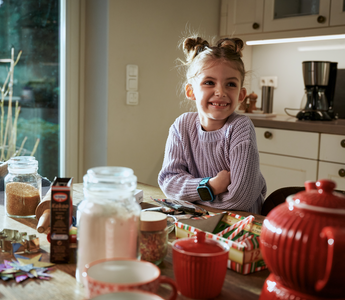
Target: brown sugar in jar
21,199
22,187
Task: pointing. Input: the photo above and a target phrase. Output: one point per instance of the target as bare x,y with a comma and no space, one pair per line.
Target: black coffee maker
319,80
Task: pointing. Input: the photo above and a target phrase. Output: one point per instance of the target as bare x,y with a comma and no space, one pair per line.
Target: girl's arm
219,184
174,179
247,183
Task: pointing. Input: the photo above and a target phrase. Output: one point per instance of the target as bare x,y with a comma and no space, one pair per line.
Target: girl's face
217,91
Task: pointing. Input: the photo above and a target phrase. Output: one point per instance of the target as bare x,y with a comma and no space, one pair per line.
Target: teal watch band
204,191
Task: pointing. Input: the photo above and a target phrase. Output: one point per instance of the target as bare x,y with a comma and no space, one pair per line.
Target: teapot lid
319,196
199,245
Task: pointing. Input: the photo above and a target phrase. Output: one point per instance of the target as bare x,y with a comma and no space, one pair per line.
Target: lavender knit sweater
192,154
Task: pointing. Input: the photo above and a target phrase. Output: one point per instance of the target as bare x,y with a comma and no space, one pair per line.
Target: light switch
132,77
132,84
132,98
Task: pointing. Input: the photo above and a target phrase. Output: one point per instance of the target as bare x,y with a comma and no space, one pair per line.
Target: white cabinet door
332,148
337,12
243,16
335,172
287,142
283,171
272,23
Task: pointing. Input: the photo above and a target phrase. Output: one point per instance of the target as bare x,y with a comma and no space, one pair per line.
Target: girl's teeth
219,104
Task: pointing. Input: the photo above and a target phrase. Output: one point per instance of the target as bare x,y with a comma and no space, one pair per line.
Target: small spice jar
22,187
153,236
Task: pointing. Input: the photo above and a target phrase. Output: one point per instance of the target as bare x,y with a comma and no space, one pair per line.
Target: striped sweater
192,154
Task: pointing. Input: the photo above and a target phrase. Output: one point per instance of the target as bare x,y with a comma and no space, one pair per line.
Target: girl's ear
242,95
189,92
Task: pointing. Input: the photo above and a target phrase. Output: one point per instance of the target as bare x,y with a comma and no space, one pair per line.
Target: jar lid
199,245
152,221
320,196
23,164
110,178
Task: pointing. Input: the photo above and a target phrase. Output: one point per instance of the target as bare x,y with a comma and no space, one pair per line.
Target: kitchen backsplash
285,62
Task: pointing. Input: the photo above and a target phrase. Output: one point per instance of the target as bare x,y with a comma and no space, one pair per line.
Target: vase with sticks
8,128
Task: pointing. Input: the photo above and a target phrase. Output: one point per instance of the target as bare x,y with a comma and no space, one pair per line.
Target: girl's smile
217,91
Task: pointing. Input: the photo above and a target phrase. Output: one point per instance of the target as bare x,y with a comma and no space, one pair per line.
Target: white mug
129,295
117,275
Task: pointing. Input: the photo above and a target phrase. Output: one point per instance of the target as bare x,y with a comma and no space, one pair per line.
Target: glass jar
153,236
108,217
23,187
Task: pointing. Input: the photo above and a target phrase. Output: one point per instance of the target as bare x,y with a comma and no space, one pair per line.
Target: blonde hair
199,52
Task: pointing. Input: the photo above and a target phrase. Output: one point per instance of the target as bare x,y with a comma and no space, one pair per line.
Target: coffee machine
319,80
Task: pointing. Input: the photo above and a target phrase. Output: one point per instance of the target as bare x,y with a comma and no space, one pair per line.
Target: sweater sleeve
248,187
174,178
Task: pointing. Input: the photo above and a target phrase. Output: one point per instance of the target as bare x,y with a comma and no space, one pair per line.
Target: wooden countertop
291,123
64,286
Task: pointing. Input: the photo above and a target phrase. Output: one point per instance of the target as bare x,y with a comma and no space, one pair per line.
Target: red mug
115,275
200,266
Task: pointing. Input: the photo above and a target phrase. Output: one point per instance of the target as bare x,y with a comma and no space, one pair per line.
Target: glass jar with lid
153,236
108,218
22,187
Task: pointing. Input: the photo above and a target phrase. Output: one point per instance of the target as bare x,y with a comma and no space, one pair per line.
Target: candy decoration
241,238
245,222
238,224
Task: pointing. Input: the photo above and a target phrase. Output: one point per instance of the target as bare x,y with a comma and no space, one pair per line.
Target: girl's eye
209,82
232,84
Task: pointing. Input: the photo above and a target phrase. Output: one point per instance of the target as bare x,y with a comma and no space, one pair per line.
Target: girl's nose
220,92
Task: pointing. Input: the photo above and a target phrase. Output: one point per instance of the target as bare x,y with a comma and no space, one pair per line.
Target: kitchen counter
291,123
63,285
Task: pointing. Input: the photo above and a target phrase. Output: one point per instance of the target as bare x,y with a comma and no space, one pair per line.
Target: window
33,27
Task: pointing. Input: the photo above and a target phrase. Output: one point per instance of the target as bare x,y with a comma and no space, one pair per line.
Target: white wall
285,61
145,33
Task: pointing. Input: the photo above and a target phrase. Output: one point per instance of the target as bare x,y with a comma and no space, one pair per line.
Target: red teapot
303,245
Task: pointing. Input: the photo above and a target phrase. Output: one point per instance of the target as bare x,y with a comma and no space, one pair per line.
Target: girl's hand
220,183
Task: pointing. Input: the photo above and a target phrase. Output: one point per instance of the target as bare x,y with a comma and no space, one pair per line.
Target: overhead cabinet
241,17
294,14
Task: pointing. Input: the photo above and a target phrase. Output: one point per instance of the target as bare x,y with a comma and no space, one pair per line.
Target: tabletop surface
64,286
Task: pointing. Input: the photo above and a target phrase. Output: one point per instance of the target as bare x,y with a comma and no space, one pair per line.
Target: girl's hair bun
235,44
193,46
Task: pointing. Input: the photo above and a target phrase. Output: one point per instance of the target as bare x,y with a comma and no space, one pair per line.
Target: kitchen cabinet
238,18
287,158
332,159
291,15
337,12
264,18
284,171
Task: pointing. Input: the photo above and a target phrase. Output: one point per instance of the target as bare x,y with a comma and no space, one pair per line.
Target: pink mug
114,275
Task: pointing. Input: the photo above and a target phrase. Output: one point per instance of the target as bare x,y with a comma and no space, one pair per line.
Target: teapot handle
335,259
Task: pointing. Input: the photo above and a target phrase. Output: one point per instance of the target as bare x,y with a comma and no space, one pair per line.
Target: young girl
211,156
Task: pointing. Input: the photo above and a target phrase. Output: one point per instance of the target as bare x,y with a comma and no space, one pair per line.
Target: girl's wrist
213,185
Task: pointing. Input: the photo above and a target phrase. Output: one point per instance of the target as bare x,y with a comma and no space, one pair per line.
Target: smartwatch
204,191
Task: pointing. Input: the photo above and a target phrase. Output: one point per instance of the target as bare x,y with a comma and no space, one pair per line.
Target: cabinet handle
321,19
267,134
256,25
341,173
342,143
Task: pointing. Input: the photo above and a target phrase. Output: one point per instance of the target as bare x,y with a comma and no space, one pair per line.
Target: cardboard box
139,195
61,219
244,257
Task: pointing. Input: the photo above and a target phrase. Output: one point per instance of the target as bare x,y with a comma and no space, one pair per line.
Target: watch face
205,194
